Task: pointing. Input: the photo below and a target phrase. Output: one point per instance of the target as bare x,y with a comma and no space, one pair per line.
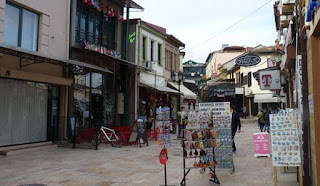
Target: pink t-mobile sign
261,144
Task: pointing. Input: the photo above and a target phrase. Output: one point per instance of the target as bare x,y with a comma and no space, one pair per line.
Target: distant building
218,58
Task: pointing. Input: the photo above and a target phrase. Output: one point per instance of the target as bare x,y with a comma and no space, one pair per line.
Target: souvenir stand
221,121
285,142
198,145
164,134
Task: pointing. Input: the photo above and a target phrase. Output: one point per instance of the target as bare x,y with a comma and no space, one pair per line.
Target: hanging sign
248,60
270,80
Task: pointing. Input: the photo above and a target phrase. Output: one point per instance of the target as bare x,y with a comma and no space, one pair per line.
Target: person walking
266,117
235,124
194,104
261,120
189,104
244,111
182,122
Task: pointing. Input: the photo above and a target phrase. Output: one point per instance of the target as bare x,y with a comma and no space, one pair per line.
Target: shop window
144,57
159,54
94,27
152,50
249,79
21,27
241,79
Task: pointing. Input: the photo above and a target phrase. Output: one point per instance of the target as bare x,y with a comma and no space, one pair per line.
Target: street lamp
181,77
173,76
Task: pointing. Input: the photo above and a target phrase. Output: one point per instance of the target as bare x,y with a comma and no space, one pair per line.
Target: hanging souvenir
110,12
116,14
93,2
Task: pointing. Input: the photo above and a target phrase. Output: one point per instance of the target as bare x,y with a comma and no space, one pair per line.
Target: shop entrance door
53,114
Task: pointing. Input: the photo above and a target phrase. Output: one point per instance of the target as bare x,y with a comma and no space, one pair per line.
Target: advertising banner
261,144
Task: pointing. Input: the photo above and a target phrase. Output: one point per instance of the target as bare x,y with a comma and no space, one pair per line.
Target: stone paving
134,166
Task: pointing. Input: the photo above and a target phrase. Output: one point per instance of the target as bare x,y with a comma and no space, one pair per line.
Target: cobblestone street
133,166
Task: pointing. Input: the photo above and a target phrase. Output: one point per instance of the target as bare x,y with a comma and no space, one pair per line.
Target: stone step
25,148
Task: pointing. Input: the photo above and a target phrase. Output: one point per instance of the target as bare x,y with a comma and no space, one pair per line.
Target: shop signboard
261,145
248,60
270,80
217,108
286,147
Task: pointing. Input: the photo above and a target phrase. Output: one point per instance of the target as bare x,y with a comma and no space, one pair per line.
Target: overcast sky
194,21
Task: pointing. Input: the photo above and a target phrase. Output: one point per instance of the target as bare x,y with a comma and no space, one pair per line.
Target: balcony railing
98,40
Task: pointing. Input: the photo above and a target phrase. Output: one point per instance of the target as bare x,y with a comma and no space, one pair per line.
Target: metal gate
23,112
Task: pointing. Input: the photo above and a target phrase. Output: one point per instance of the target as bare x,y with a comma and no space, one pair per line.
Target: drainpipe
126,80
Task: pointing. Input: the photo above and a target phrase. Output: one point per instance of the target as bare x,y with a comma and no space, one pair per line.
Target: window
21,27
241,79
177,63
94,27
144,49
172,62
159,54
152,50
249,79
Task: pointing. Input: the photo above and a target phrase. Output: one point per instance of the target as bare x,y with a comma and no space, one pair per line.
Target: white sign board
270,80
217,108
284,139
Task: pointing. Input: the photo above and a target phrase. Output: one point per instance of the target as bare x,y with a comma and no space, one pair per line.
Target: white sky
194,21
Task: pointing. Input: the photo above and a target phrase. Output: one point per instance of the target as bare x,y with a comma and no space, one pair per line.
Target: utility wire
231,26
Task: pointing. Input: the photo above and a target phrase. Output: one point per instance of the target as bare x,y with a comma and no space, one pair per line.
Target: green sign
132,37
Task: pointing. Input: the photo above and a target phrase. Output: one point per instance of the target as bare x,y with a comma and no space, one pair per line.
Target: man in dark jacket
236,124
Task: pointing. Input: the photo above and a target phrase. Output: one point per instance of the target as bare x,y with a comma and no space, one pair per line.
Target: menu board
285,139
142,131
163,126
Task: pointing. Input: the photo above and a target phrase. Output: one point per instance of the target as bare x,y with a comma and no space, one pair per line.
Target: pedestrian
235,124
183,119
261,120
189,103
194,104
244,111
266,117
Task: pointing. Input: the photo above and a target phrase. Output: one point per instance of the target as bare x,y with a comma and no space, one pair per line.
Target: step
20,149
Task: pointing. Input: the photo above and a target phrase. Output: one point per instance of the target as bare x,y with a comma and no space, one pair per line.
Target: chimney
225,45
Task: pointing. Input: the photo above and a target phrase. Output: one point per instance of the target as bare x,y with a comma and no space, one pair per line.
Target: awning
161,88
17,51
267,98
187,94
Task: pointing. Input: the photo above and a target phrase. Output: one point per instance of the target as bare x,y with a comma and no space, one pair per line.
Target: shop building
226,86
308,65
98,37
256,99
34,71
148,50
218,58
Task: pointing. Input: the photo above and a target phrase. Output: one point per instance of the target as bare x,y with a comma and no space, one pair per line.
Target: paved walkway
134,166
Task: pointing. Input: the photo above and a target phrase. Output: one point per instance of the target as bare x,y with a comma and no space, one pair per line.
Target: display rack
224,141
198,143
163,126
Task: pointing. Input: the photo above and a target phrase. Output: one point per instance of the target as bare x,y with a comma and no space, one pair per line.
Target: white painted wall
255,88
53,35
